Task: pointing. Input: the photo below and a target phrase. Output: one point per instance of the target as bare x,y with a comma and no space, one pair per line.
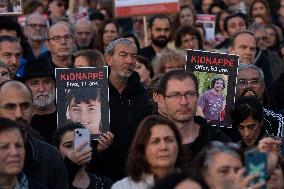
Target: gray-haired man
128,104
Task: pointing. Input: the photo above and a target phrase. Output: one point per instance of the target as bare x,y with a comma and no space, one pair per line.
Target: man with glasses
42,163
60,44
179,90
35,31
250,82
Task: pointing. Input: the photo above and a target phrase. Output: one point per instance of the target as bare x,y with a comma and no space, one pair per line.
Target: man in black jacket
128,104
179,90
43,163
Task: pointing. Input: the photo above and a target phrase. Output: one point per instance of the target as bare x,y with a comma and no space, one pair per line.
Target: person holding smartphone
222,167
76,160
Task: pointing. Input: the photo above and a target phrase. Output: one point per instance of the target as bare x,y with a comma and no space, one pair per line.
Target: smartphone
82,136
256,162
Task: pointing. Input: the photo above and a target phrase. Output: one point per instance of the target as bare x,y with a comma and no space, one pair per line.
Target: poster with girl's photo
82,96
216,73
10,7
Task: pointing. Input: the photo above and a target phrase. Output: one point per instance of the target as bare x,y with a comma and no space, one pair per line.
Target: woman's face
259,9
249,130
276,180
81,61
12,153
110,33
66,143
206,5
162,149
186,17
272,39
143,72
189,41
222,169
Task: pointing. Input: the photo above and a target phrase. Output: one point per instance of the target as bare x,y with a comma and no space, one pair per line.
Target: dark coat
44,164
148,52
207,133
126,112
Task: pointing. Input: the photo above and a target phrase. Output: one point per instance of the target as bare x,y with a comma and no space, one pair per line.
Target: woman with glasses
156,151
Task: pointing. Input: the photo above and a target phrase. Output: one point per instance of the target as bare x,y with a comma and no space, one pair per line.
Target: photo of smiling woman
212,102
84,106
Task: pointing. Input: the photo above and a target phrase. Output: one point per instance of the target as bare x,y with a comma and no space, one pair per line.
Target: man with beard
179,90
128,101
250,82
60,44
43,163
10,52
84,34
35,31
39,78
160,30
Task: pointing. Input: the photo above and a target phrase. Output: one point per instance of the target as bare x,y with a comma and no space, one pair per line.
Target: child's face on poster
87,113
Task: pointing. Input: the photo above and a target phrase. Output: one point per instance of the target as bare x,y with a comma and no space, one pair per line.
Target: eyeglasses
178,96
42,26
11,108
244,82
58,39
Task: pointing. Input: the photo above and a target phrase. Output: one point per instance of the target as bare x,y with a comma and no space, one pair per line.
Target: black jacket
207,133
126,112
44,164
148,52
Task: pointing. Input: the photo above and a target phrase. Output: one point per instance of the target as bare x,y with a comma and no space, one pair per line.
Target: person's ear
230,50
108,60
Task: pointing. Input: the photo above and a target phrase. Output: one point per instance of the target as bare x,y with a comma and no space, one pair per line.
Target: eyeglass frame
57,39
249,81
178,96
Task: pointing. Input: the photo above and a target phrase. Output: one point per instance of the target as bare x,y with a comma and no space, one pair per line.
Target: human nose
41,87
18,112
246,132
183,99
163,145
13,150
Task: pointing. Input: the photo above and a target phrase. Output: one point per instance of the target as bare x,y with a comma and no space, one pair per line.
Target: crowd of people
160,134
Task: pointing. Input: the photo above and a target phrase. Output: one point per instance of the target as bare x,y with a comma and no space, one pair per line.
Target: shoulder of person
127,182
36,185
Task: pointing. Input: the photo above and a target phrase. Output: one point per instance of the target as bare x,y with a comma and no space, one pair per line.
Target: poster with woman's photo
10,7
216,73
82,97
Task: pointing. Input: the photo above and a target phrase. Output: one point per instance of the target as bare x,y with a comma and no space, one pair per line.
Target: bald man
43,163
60,44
